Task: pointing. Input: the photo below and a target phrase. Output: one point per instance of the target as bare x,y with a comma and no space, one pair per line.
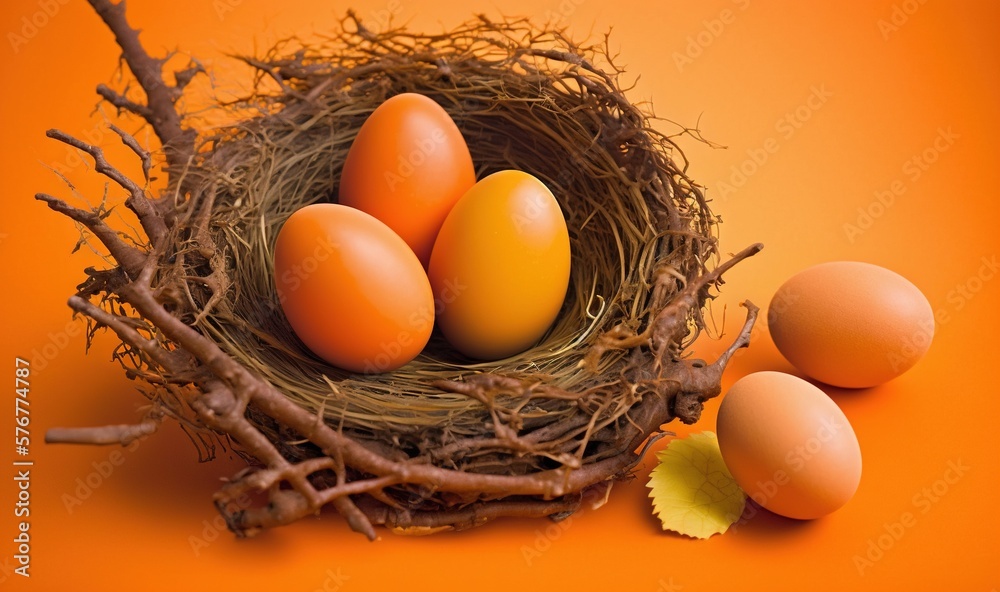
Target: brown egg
788,445
851,324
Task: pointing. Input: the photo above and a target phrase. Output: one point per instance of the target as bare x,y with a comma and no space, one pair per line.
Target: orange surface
823,111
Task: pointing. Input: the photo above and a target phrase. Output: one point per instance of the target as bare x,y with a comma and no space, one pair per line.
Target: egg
500,266
850,324
351,289
408,166
788,445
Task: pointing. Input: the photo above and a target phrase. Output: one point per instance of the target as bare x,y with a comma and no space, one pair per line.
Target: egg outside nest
441,442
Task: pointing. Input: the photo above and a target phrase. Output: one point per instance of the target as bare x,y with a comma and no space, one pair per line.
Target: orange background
888,93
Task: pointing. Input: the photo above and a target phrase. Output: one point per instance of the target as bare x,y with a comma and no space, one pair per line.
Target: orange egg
352,290
500,266
788,445
408,166
850,324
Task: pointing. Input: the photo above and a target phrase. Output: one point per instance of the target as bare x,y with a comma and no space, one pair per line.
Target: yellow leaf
693,492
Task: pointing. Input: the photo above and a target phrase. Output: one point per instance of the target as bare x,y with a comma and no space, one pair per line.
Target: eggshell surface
500,266
851,324
352,290
788,445
407,167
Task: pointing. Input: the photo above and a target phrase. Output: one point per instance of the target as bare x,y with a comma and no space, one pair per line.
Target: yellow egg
500,266
850,324
788,445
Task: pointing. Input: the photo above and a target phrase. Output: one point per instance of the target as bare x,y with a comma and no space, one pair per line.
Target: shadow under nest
443,442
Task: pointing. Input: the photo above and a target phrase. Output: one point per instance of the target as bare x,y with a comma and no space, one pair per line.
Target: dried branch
130,141
122,435
119,101
160,112
128,257
151,220
665,331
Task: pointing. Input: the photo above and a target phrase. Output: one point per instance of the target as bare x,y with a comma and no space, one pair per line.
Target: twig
128,257
138,202
159,111
122,435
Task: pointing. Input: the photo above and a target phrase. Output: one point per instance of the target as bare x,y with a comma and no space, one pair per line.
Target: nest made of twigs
443,441
524,100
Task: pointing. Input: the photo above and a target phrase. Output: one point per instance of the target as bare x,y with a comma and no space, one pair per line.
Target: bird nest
443,442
